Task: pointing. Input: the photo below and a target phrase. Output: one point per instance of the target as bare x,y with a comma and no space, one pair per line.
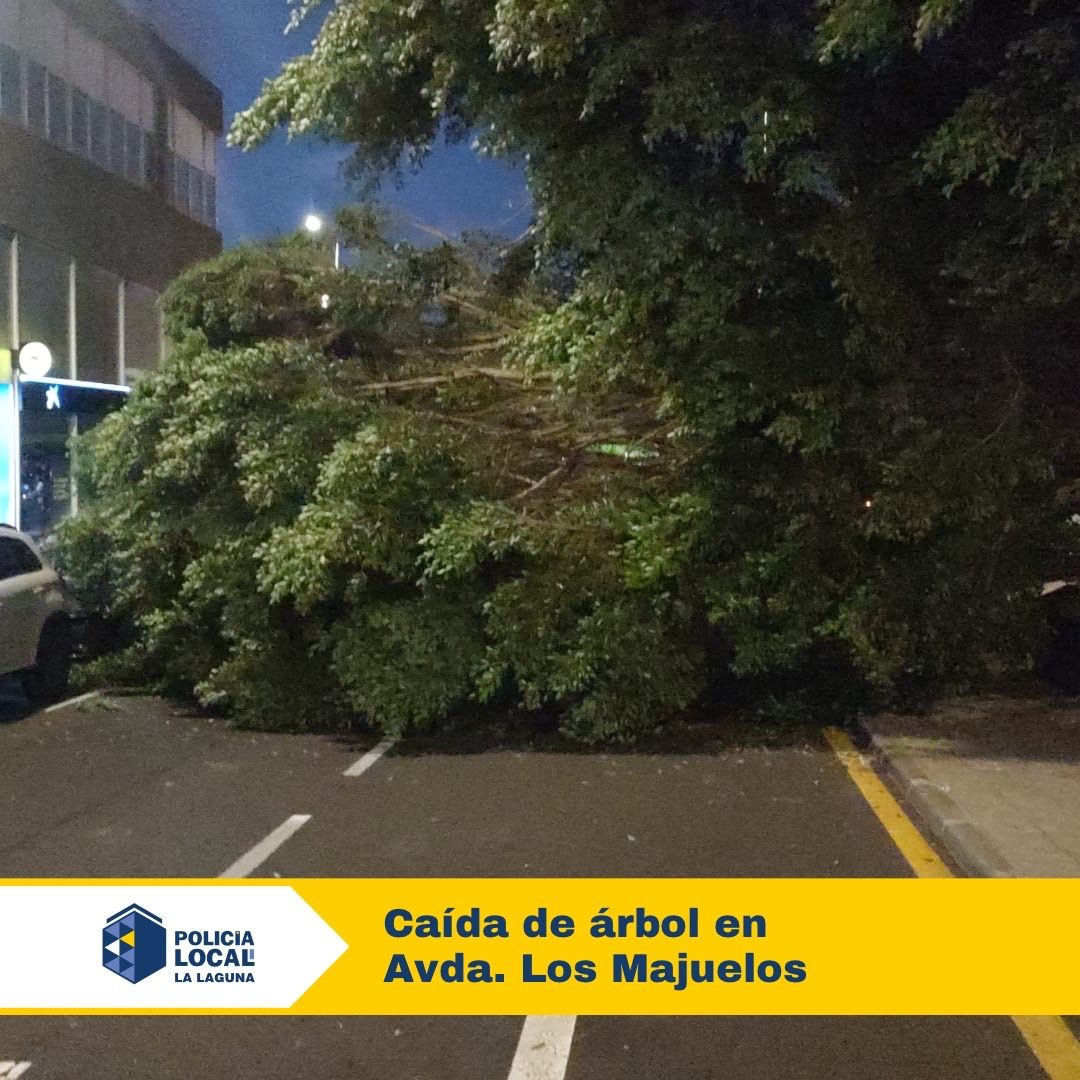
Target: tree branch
425,382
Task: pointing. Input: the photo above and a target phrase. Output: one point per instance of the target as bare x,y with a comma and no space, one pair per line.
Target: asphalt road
135,787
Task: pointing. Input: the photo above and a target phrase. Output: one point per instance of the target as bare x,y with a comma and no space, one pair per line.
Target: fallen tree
801,402
324,517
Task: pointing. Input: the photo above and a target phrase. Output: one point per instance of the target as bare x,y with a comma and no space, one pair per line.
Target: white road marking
543,1051
262,851
360,767
56,708
12,1070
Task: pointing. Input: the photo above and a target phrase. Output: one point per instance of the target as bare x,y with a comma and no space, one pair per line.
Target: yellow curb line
1048,1037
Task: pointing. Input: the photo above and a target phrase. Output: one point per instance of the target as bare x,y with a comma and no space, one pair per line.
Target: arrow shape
225,947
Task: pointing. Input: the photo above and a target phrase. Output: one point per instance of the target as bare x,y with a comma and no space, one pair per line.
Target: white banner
197,947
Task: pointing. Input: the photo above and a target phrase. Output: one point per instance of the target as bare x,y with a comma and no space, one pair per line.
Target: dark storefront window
97,308
46,470
50,418
44,293
10,85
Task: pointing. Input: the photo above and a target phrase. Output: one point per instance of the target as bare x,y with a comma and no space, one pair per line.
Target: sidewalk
996,781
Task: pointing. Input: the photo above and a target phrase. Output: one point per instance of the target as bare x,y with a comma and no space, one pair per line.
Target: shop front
40,419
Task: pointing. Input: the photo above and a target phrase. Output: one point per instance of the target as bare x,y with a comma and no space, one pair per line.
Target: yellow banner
585,946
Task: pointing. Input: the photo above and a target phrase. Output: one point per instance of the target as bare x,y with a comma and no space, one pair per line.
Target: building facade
108,190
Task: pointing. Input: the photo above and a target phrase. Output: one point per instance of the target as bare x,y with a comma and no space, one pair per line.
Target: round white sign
35,360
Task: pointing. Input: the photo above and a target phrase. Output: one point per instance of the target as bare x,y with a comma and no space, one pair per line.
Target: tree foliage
812,389
845,236
324,512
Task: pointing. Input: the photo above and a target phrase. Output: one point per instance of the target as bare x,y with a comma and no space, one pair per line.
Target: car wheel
47,680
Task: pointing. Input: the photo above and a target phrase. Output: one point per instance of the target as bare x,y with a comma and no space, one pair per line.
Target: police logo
133,943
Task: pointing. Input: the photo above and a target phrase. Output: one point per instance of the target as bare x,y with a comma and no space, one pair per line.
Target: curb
961,839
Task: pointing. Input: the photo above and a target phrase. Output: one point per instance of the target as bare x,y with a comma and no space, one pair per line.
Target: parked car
40,619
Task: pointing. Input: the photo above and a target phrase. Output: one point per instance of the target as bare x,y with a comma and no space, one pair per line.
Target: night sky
238,44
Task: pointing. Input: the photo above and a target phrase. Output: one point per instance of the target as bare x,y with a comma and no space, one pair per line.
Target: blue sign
67,397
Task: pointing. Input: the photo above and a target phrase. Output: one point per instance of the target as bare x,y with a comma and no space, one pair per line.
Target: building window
118,129
66,86
80,123
134,154
37,82
183,183
152,160
44,300
99,134
10,85
45,460
198,194
211,201
58,110
97,321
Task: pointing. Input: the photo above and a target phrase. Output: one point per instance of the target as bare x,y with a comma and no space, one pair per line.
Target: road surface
129,787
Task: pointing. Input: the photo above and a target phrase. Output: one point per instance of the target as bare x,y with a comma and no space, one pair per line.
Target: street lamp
314,225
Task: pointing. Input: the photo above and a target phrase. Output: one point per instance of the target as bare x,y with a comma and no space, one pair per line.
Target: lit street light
314,225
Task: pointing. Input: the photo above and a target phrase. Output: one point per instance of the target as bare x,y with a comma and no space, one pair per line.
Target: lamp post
314,225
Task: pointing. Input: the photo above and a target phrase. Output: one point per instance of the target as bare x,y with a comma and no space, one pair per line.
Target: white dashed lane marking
12,1070
543,1051
252,860
370,758
51,709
